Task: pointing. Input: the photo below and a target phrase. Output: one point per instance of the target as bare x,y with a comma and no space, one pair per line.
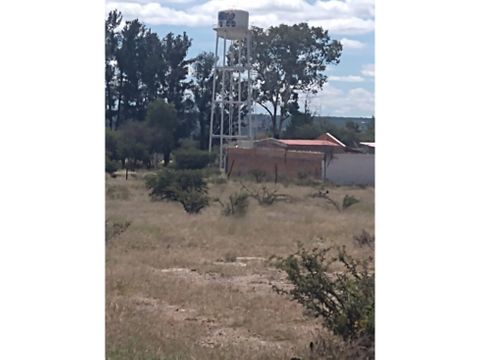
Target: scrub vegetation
205,285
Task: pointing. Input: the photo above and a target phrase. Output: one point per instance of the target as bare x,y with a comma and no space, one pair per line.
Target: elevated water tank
232,24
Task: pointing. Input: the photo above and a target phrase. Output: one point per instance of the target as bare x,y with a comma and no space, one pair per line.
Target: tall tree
133,142
131,57
163,122
112,41
154,67
290,59
301,126
175,82
202,91
176,71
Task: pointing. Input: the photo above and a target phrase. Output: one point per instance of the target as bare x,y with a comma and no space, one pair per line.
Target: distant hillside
340,121
261,123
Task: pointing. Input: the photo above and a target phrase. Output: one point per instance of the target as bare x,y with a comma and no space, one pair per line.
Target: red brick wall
288,163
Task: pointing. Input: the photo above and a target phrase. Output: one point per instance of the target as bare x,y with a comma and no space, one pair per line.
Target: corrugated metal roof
308,142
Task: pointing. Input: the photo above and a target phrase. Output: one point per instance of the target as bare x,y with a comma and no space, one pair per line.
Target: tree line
155,95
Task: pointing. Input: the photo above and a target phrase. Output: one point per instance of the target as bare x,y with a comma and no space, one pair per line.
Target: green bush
185,186
348,201
193,201
111,165
344,300
237,204
191,158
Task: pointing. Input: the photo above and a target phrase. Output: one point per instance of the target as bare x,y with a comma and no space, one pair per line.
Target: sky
351,83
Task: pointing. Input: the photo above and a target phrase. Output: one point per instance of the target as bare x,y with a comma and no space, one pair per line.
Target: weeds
115,192
264,195
348,200
113,229
237,204
230,257
364,238
218,180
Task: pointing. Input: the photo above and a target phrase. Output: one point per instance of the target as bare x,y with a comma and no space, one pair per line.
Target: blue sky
350,89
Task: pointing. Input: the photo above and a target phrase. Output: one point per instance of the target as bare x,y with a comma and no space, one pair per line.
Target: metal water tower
232,27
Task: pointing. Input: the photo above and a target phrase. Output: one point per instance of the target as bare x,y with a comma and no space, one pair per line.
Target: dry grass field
182,286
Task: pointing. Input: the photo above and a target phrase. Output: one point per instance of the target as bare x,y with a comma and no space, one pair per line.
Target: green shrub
237,204
191,158
111,166
168,184
344,300
185,186
348,201
193,201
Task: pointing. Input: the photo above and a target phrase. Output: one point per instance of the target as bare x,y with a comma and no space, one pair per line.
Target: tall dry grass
183,286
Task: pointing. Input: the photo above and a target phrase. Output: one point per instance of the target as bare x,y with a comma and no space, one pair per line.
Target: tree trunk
276,133
203,140
274,123
120,89
166,158
107,104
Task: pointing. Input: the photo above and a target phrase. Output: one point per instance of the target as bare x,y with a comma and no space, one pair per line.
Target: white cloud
156,14
368,70
178,1
352,44
348,78
334,101
342,17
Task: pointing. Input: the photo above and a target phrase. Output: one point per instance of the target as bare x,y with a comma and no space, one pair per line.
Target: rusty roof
308,142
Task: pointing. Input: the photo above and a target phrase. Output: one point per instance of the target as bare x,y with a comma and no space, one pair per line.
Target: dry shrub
236,205
265,195
364,238
113,229
348,200
258,175
330,347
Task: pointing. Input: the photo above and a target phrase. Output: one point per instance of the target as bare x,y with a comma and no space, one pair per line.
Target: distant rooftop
369,144
308,142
